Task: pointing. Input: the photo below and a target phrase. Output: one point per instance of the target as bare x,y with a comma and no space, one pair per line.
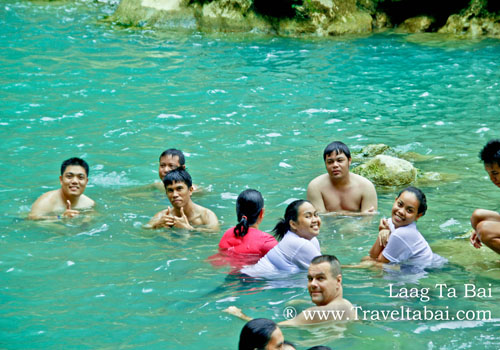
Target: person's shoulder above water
68,201
339,190
184,213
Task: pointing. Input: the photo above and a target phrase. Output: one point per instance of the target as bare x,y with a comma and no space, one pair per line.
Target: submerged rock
388,171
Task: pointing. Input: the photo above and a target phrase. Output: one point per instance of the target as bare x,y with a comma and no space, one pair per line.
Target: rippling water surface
249,111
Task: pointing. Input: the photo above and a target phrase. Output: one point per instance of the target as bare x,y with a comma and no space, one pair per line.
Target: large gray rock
388,171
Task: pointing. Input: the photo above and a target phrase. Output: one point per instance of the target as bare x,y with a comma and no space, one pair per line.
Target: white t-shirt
292,254
407,245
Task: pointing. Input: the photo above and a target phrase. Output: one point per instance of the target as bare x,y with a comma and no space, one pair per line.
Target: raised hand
383,225
167,220
383,237
182,221
69,213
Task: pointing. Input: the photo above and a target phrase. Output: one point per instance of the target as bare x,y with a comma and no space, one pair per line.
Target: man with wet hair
325,288
486,223
339,190
169,160
184,213
69,200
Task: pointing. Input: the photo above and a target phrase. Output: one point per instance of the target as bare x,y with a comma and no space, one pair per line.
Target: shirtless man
171,159
325,288
339,190
67,201
486,223
184,212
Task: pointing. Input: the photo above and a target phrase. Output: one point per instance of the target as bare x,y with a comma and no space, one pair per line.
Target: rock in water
388,171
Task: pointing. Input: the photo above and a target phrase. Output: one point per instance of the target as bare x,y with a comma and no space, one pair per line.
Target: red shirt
255,242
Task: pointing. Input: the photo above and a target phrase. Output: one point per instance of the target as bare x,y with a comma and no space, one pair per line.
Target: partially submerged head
179,187
324,280
490,155
301,218
249,209
409,206
261,333
171,159
74,177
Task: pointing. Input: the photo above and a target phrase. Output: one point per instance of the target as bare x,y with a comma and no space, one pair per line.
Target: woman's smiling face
405,209
308,222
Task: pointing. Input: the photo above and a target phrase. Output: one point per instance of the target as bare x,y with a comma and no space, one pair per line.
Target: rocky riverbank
464,18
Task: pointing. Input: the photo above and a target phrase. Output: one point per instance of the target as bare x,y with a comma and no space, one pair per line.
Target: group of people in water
295,246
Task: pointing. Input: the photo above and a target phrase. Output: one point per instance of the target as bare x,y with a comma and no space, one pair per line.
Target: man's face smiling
167,164
493,171
73,181
337,165
178,194
322,286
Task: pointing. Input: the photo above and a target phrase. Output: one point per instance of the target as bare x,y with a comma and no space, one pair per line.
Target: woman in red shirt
245,238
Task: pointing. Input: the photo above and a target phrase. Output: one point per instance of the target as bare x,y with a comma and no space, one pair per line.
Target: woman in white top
297,246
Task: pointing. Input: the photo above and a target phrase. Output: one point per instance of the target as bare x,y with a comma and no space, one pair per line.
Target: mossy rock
459,251
386,170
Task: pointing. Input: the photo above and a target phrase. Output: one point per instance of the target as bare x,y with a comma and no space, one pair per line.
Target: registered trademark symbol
289,312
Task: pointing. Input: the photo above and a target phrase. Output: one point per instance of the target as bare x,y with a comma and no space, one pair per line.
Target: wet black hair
256,334
75,161
332,260
174,152
338,147
177,175
422,207
248,208
320,347
291,213
490,154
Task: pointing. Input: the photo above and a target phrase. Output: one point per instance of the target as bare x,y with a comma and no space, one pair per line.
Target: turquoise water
249,111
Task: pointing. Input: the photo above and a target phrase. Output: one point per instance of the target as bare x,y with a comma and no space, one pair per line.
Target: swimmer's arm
235,311
482,215
314,196
298,320
380,243
369,200
210,221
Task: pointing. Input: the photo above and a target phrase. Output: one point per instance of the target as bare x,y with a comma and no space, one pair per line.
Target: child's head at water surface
409,206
